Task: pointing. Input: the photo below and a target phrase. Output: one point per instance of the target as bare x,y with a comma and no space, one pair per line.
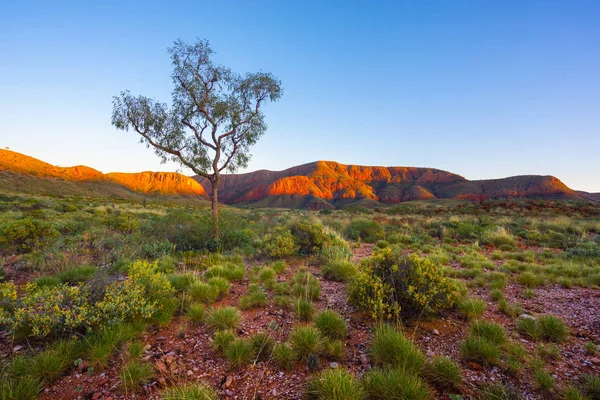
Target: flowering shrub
41,310
389,283
309,236
22,235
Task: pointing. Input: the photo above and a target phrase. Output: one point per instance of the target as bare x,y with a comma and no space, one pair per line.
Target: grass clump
549,352
305,340
443,373
552,328
22,388
333,349
196,313
498,391
239,352
135,373
331,324
222,340
76,275
202,292
491,331
590,386
283,356
192,391
256,298
479,350
335,384
394,384
471,307
339,270
304,310
262,345
390,348
306,286
221,284
222,318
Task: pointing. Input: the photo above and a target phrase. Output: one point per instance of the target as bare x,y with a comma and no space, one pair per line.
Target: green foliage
280,244
590,386
395,384
181,282
203,292
255,298
23,235
77,275
306,286
196,313
491,331
552,328
262,344
498,391
528,327
223,318
443,373
331,324
222,340
222,285
304,310
305,340
549,352
341,270
480,350
333,349
390,348
134,373
190,391
335,384
283,356
23,388
367,230
239,352
471,307
309,237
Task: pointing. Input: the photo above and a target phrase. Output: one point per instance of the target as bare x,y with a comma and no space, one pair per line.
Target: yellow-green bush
389,283
280,244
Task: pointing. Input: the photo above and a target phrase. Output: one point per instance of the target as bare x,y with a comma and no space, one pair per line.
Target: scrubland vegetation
491,300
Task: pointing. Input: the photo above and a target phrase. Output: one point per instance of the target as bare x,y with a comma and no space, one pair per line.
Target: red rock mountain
326,184
24,173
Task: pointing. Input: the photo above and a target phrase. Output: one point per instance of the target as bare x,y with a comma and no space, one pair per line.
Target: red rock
474,366
96,395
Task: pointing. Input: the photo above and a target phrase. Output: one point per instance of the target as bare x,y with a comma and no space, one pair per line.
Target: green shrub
394,384
480,350
390,348
491,331
471,307
366,230
335,384
340,270
280,244
309,236
331,324
334,249
196,313
223,318
305,340
21,236
190,391
283,356
389,283
443,373
134,373
239,352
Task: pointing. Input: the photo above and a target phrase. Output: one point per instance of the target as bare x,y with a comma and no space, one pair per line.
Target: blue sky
485,89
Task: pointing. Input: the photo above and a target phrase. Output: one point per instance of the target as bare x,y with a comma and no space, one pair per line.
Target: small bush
390,348
528,327
443,373
191,391
552,328
280,244
340,270
367,230
305,340
239,352
223,318
306,286
331,324
335,384
308,236
21,236
221,284
394,384
283,356
304,310
333,349
255,298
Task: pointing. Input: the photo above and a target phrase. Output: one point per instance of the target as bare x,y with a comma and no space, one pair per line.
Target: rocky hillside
22,173
326,184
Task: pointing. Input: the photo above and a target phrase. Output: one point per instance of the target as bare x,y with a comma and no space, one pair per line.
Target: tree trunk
215,210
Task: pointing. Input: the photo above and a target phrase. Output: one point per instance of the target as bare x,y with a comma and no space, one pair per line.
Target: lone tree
214,119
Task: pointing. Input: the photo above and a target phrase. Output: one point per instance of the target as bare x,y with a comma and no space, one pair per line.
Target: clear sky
485,89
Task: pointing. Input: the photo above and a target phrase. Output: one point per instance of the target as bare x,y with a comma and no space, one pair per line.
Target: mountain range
316,185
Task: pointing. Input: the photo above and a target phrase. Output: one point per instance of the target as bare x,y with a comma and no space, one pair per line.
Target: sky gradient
484,89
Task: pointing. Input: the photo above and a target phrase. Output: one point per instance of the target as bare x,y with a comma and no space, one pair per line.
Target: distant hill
22,173
327,184
589,196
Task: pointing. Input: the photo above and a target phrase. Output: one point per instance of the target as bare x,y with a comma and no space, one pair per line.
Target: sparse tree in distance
214,119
